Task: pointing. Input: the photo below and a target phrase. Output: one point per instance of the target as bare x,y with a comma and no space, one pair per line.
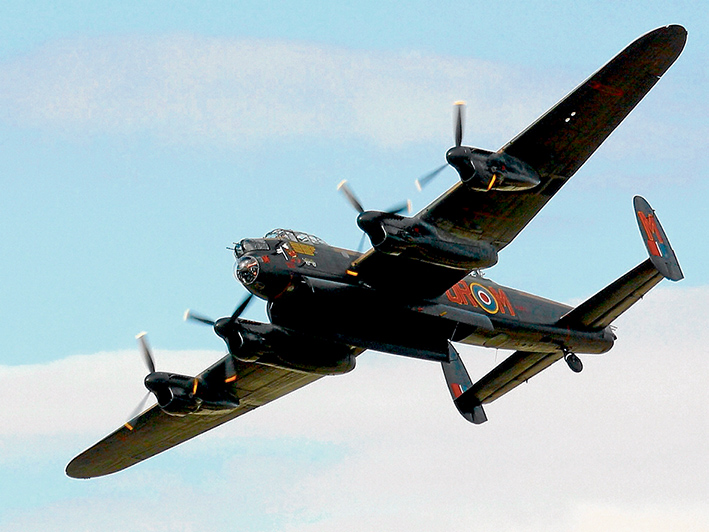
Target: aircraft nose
247,270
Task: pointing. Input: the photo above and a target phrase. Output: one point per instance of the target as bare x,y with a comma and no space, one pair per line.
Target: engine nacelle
271,345
395,235
179,395
484,171
176,394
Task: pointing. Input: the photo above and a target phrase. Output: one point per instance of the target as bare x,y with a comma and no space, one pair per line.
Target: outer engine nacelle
176,394
483,170
394,235
179,395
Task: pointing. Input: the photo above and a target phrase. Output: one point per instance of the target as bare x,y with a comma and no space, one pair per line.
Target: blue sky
138,141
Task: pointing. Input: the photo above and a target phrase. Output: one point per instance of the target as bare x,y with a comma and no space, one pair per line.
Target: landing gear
573,361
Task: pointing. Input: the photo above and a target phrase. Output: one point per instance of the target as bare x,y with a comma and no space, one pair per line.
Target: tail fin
656,241
458,382
604,307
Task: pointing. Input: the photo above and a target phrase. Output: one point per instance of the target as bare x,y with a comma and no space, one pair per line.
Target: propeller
145,351
137,411
459,123
423,181
221,327
354,201
345,189
150,363
189,315
459,120
357,205
241,308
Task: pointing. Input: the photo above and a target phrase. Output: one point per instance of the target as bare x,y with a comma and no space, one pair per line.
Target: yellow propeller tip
140,335
342,183
459,102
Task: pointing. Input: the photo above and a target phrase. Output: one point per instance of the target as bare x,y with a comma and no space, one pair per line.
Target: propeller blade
398,209
459,118
145,350
141,406
241,308
189,315
423,181
342,187
361,243
460,108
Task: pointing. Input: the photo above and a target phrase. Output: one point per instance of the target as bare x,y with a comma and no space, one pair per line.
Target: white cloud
82,393
620,446
189,89
643,518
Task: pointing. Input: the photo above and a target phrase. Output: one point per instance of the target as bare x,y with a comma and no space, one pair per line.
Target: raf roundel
484,298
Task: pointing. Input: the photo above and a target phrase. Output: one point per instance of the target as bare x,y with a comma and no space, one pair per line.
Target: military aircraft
419,288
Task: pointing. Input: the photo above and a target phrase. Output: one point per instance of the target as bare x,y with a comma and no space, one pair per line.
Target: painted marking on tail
458,389
653,236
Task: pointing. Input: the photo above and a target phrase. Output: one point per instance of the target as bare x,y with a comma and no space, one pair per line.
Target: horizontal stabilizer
519,367
600,310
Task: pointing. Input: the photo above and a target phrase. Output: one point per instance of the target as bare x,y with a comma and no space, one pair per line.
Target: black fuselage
312,290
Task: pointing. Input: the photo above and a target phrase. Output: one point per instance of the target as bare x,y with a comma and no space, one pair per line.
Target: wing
154,431
559,142
556,145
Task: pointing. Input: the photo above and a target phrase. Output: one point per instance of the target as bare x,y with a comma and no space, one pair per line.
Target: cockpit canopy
294,236
253,244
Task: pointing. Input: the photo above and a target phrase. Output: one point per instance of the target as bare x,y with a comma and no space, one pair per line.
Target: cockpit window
250,244
253,244
302,237
281,233
286,234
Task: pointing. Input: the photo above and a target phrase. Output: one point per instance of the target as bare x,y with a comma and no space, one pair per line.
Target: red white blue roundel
484,298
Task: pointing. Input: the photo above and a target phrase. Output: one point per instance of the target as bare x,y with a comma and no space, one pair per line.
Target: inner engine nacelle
271,345
484,171
395,235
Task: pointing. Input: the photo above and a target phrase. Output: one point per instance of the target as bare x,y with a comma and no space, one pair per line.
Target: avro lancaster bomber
418,290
